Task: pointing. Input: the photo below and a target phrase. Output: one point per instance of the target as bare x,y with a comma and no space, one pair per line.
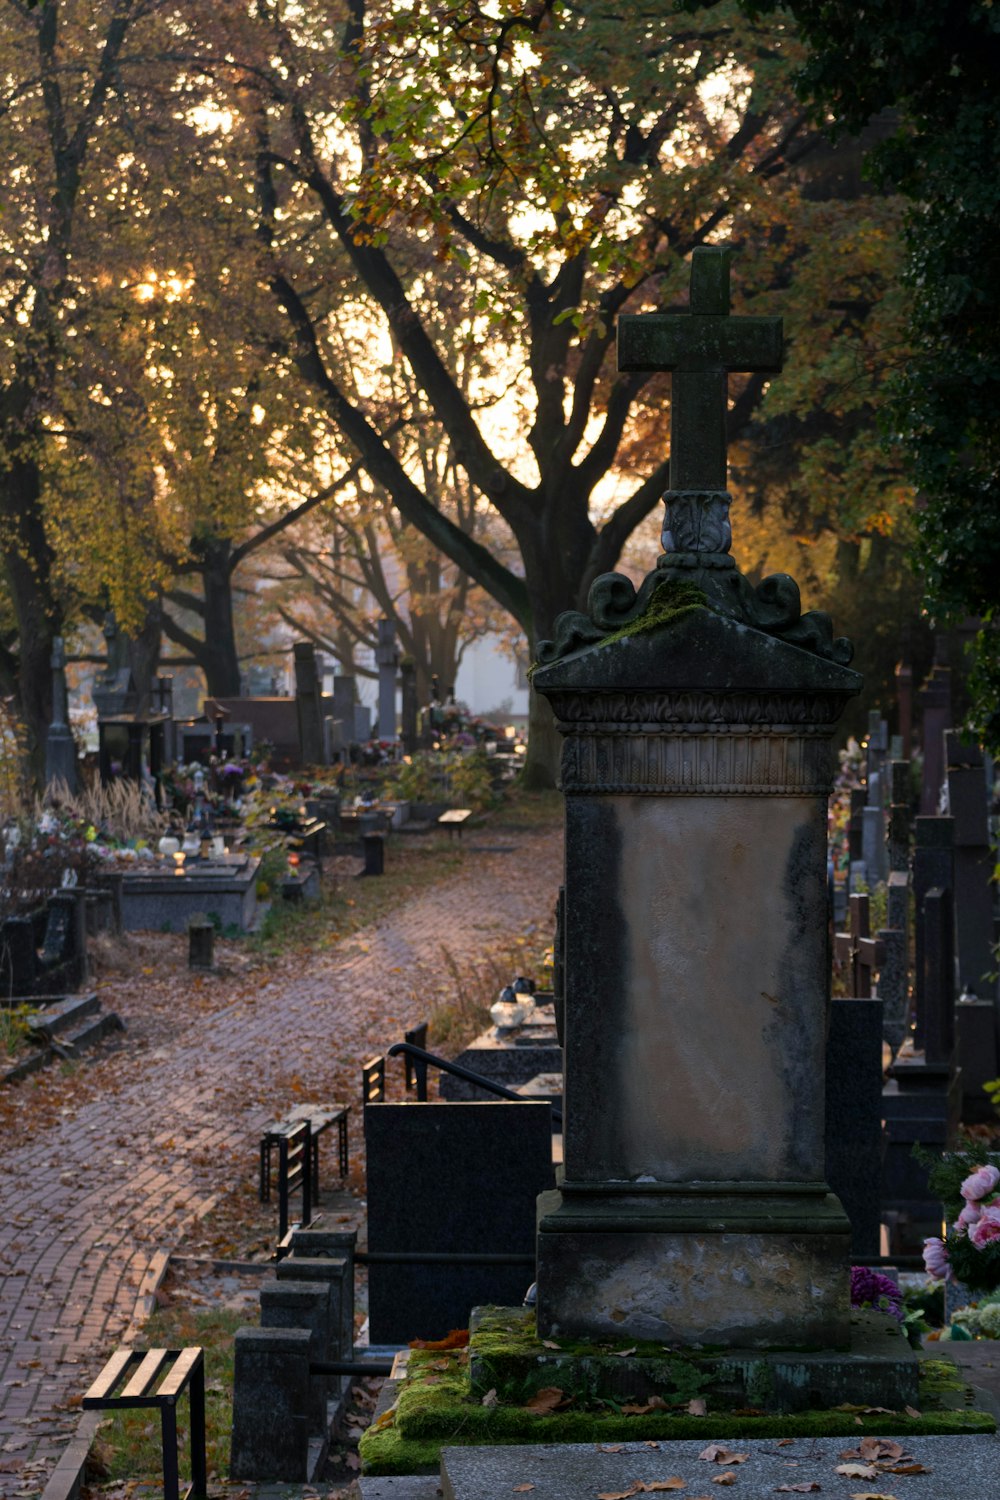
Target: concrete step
62,1014
95,1030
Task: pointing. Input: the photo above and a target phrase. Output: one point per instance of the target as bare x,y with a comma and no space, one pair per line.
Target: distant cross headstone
858,949
387,659
700,348
307,703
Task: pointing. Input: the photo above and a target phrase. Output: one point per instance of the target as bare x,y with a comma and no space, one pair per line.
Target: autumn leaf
623,1353
522,1489
546,1400
697,1407
633,1489
456,1339
871,1495
911,1411
799,1489
635,1409
904,1469
550,1344
729,1477
655,1485
857,1471
610,1448
718,1453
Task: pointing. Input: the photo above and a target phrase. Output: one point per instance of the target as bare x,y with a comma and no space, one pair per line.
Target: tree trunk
144,654
541,764
28,566
217,655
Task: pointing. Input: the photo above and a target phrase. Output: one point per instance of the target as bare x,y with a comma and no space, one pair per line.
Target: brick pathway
103,1173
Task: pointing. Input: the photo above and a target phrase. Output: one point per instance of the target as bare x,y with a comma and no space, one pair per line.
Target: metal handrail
407,1049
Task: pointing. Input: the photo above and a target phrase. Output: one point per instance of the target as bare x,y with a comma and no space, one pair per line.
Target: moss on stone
436,1406
669,602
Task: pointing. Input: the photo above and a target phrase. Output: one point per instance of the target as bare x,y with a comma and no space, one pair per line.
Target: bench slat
145,1375
187,1362
111,1374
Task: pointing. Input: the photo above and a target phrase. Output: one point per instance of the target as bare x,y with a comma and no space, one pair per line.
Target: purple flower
871,1289
980,1184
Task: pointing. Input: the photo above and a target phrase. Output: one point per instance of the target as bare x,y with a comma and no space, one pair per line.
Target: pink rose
987,1228
936,1259
980,1184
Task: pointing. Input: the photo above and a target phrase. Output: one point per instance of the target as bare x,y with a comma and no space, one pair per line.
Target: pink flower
987,1227
982,1182
969,1216
936,1259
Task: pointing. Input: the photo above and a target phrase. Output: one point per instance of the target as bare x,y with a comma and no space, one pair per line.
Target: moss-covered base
436,1407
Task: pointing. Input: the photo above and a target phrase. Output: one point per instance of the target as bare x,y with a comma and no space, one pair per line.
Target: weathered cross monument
698,713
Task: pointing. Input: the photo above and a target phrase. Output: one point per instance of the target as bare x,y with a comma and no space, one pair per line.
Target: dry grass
123,809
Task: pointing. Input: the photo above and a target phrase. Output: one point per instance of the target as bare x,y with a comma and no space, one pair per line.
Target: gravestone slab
511,1059
163,902
962,1466
451,1178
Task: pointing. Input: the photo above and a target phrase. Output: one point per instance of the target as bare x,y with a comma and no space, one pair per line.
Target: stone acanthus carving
695,519
693,711
734,764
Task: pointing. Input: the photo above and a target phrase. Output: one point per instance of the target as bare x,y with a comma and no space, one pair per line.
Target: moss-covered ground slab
436,1406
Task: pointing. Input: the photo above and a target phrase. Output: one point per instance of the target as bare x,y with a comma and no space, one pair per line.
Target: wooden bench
455,819
320,1118
127,1381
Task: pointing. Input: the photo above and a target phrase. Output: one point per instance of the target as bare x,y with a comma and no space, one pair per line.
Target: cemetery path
106,1169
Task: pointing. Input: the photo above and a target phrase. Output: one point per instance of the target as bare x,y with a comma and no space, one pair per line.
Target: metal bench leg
199,1458
168,1432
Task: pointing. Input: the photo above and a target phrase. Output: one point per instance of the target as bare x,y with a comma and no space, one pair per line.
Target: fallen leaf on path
729,1477
656,1485
610,1448
718,1453
546,1400
800,1489
633,1489
522,1489
857,1471
871,1495
784,1442
904,1469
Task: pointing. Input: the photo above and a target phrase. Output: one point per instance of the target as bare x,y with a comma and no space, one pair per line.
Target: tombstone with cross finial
698,714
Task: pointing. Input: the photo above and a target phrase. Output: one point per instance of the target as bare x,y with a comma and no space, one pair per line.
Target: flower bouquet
970,1251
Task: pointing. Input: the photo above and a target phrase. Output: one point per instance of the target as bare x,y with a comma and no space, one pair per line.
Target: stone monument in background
60,746
697,714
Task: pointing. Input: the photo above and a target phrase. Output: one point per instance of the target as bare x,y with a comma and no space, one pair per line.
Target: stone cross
700,348
60,747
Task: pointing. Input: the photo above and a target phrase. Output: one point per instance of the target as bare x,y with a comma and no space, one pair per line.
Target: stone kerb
696,768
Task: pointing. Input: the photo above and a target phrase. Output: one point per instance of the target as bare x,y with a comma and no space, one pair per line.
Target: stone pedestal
693,1206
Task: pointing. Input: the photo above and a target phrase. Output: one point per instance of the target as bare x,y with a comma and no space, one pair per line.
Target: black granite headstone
854,1116
933,865
453,1178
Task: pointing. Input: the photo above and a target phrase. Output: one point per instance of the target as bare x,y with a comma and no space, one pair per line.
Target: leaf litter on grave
549,1398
